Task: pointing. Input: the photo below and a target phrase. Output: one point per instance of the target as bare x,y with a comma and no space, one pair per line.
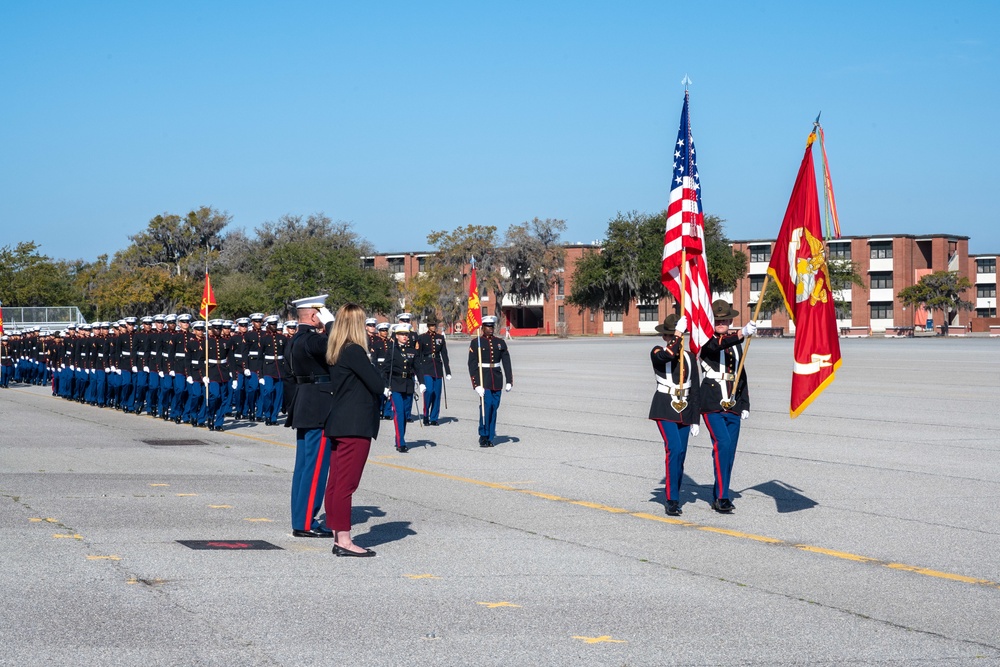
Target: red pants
347,462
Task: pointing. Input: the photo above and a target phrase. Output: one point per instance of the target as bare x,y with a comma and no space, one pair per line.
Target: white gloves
481,391
682,325
387,393
235,384
118,371
260,381
173,374
190,380
135,370
246,371
145,369
695,430
324,315
749,329
421,388
205,381
447,377
508,387
744,414
72,367
160,373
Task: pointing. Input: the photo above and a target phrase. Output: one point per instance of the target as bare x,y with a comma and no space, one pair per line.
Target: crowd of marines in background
190,371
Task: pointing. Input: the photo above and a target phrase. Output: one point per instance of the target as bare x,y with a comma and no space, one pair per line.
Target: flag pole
746,348
679,402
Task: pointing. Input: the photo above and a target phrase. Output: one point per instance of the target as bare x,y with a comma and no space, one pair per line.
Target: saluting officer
434,366
724,403
675,404
489,363
311,403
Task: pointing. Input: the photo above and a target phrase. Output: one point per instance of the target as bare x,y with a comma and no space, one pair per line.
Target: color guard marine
400,371
489,364
725,402
675,404
196,410
380,354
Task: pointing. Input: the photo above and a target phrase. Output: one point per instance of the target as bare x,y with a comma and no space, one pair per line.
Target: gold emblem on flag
807,267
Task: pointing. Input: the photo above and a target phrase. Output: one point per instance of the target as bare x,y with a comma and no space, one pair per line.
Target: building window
881,310
986,312
986,265
839,250
560,287
881,249
612,315
756,283
843,310
562,313
395,264
421,264
367,262
649,314
986,291
760,253
881,280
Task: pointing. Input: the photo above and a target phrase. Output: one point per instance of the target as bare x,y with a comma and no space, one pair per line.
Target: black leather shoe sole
723,506
312,533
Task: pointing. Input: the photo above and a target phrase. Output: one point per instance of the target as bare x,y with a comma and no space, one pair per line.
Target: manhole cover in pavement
174,443
229,545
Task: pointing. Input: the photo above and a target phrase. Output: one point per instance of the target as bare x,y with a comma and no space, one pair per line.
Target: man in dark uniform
272,347
288,330
253,363
6,362
380,357
141,378
401,371
675,404
179,368
435,368
218,374
724,403
102,365
196,410
310,405
487,356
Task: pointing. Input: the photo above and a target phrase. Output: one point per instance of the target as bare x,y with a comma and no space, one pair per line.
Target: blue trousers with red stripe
432,398
724,427
401,404
312,465
675,445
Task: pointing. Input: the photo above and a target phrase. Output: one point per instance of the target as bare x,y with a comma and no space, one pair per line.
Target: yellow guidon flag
474,316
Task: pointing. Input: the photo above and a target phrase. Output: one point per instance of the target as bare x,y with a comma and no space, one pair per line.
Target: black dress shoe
723,505
433,423
402,449
177,420
427,422
673,508
211,427
484,442
312,533
341,551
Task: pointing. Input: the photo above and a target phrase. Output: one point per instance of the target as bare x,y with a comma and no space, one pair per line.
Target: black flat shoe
341,551
402,450
673,508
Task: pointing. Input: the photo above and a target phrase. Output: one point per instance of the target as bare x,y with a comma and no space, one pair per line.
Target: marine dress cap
382,326
184,318
490,321
242,321
291,324
256,317
402,327
170,318
148,319
271,319
721,310
198,325
216,323
404,317
311,301
370,322
159,318
130,320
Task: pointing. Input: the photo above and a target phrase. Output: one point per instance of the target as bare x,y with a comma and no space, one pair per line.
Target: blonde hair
348,327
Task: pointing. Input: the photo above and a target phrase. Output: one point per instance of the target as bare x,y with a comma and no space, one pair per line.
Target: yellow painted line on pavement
75,536
603,639
843,555
104,558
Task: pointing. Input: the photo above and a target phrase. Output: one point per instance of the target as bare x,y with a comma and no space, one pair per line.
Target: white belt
165,354
489,365
237,356
719,375
254,354
216,361
100,354
126,354
270,358
177,354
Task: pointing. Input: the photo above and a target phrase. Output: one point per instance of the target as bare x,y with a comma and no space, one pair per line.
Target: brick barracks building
886,263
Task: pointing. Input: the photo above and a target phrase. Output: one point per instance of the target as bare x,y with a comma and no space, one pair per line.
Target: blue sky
408,117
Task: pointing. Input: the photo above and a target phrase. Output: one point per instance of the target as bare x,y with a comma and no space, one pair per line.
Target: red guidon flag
684,260
798,265
474,316
207,299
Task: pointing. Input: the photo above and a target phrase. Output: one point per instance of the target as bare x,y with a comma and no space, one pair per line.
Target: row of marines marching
163,365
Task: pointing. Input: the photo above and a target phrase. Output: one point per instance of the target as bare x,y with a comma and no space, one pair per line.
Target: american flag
686,231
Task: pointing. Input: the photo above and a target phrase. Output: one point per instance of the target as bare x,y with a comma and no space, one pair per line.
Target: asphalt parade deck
865,531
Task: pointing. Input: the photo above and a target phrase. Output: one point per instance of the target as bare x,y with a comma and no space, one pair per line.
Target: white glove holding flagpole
235,384
682,325
387,393
749,329
745,414
695,430
421,388
481,391
508,387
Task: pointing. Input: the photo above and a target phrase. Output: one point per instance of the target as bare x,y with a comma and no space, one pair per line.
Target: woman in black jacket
357,390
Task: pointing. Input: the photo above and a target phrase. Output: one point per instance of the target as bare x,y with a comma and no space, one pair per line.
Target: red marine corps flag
207,299
685,268
474,316
798,265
